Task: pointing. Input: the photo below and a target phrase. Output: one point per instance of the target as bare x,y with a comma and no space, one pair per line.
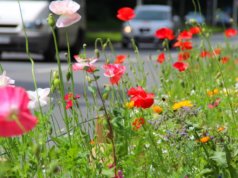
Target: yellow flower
213,92
129,105
204,139
220,129
157,109
185,103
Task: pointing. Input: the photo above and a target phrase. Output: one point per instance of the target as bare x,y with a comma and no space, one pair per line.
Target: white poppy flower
41,100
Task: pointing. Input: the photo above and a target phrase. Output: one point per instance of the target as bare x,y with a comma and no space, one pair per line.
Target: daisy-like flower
182,104
67,10
204,139
213,92
38,98
157,109
5,80
130,104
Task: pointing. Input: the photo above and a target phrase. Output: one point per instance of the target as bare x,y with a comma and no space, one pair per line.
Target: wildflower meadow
175,118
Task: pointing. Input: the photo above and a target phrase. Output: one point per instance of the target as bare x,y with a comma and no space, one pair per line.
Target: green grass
114,36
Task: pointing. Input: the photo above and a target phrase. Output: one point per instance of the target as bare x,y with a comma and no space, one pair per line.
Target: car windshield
152,15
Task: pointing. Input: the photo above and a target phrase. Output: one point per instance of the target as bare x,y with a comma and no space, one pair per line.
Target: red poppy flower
224,59
182,56
230,32
125,13
184,45
195,30
205,53
161,58
217,51
185,35
69,98
114,72
141,98
15,117
180,66
138,123
165,33
120,59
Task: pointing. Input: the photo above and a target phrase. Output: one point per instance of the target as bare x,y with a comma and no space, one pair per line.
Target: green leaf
205,171
92,89
108,172
220,158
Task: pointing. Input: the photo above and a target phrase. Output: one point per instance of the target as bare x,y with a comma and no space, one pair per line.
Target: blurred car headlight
127,29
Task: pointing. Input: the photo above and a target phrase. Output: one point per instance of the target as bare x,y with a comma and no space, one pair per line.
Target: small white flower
5,80
236,86
164,151
192,92
38,98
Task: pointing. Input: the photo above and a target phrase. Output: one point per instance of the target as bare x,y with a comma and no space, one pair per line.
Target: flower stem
111,135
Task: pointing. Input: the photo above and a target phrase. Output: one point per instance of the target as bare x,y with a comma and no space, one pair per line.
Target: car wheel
49,53
0,54
75,49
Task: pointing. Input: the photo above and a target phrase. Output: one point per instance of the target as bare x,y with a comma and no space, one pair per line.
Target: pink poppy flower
214,104
84,64
15,117
114,72
67,10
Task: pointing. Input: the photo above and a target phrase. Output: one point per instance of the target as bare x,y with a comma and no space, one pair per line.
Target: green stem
62,92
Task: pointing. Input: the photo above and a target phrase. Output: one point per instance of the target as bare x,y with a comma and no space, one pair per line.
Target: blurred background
216,13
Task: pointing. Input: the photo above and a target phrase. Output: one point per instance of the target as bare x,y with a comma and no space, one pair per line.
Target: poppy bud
97,53
56,82
51,20
55,74
68,76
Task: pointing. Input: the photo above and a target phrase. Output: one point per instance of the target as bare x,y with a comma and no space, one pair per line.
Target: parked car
192,17
223,19
35,13
148,19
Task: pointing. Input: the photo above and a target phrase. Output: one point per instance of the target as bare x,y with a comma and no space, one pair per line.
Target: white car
148,19
35,13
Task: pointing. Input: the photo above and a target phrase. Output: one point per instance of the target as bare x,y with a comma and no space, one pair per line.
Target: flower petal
66,7
67,20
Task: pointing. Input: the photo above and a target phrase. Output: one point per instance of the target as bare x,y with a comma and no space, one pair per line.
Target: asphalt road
18,66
